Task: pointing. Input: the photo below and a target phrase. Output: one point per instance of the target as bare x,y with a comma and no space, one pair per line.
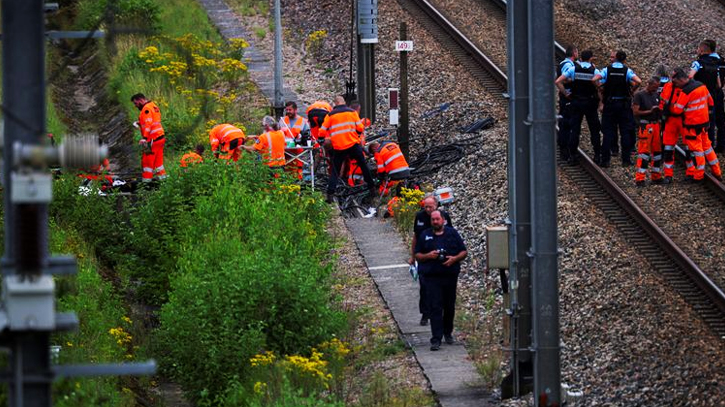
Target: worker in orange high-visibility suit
646,109
342,128
294,127
392,166
671,131
193,157
153,138
270,144
316,114
355,175
225,141
695,102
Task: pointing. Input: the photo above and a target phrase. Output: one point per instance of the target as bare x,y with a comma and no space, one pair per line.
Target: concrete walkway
260,65
452,375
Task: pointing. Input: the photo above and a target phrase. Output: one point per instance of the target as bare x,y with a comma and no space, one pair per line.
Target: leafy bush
139,14
250,276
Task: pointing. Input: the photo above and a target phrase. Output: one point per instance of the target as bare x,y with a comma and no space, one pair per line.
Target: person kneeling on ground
439,250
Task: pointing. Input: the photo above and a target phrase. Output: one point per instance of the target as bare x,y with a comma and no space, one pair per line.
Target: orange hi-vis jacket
297,127
221,136
669,95
190,158
343,126
695,101
390,159
316,113
149,120
271,145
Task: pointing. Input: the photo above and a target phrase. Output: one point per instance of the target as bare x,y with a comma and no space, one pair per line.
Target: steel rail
713,311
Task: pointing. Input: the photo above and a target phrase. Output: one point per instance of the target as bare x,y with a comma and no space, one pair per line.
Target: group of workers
686,102
337,133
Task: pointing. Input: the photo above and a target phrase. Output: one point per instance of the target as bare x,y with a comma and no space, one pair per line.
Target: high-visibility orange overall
152,159
695,102
190,159
225,140
390,161
673,130
649,149
271,146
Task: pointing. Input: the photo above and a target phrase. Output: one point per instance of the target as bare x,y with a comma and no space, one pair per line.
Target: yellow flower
260,387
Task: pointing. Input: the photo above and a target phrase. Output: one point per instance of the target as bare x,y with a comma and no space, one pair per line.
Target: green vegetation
236,262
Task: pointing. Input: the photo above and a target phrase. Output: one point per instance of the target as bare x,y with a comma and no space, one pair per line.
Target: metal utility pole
519,380
27,315
367,26
278,85
26,231
544,249
403,126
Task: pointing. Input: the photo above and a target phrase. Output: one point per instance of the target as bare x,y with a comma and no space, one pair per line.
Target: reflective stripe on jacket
221,135
390,159
149,120
343,126
271,145
695,102
299,125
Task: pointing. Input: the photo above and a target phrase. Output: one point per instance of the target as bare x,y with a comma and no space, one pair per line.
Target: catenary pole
545,292
26,230
403,127
519,184
278,85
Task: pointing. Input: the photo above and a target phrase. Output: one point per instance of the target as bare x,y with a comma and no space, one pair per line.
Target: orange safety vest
390,159
316,113
355,176
343,126
221,136
271,145
190,158
296,128
150,122
694,101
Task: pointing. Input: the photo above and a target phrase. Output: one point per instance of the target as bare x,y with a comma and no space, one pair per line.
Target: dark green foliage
140,15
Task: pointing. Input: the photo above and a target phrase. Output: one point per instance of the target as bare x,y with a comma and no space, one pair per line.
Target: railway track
465,51
637,227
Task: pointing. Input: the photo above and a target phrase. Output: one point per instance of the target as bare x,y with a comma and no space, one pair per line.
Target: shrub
140,14
249,276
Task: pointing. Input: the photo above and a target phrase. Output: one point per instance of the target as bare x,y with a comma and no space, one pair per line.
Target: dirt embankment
78,87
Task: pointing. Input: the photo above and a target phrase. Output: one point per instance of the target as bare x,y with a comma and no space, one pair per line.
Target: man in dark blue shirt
439,251
421,223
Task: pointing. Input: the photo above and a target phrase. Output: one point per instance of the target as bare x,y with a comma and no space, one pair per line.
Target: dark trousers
441,293
423,301
581,108
617,115
717,119
564,133
338,158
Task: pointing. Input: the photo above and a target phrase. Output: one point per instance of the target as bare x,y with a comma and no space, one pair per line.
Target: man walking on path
439,250
421,223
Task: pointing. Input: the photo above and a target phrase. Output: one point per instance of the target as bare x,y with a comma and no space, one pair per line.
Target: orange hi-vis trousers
153,161
670,135
709,154
693,140
649,149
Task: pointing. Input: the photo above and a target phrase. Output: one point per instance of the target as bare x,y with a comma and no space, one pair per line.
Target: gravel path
629,340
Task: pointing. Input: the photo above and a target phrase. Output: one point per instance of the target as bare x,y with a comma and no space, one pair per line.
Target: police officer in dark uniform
564,103
708,69
584,99
617,83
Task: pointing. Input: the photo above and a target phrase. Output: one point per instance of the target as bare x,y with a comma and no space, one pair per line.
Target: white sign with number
405,46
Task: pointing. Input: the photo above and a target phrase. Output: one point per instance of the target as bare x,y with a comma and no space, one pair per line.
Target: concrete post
403,126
